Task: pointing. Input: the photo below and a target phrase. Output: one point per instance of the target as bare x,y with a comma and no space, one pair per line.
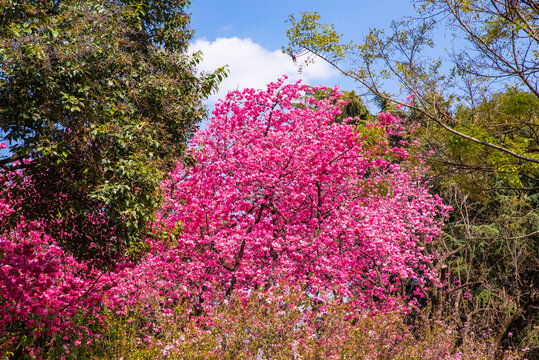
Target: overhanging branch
375,91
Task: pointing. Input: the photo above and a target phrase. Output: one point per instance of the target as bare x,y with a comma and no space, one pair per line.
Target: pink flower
279,193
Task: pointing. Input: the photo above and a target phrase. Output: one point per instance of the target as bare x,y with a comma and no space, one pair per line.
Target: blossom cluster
44,291
280,191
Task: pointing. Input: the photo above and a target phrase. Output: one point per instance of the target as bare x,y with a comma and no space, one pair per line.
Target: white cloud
252,66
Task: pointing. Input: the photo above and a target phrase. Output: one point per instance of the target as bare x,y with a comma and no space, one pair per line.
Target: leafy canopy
97,100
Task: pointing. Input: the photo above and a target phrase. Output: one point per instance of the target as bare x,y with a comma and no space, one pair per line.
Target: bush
287,323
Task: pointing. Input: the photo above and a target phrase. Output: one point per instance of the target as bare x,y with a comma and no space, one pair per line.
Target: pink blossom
280,192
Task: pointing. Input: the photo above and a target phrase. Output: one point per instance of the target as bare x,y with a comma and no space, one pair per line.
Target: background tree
479,129
97,101
352,107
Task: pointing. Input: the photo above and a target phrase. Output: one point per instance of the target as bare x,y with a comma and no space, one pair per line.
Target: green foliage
508,119
352,106
99,99
494,244
310,35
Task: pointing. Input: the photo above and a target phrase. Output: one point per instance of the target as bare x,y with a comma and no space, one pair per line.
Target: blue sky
264,21
248,36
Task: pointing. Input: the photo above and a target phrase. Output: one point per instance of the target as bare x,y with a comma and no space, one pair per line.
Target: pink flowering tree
279,192
47,298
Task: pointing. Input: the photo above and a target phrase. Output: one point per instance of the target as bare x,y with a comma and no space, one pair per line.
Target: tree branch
375,91
15,157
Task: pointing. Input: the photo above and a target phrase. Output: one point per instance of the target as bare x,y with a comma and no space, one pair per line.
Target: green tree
352,105
509,119
97,101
